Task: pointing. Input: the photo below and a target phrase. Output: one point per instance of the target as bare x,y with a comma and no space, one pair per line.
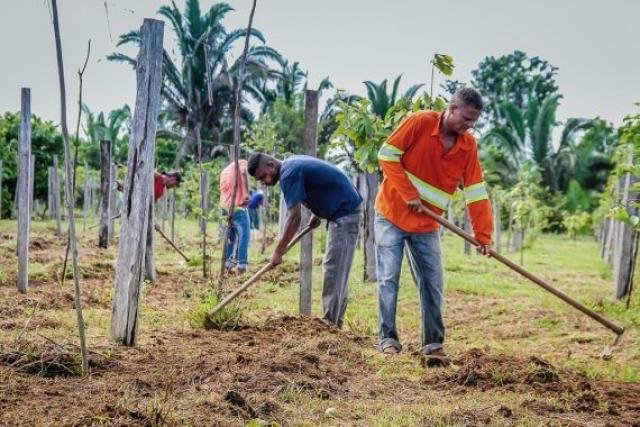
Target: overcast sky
595,44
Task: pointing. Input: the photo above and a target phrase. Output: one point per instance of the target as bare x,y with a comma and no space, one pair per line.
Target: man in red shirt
427,157
165,180
161,181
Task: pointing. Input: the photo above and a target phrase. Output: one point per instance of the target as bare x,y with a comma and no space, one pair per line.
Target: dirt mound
197,377
487,371
560,391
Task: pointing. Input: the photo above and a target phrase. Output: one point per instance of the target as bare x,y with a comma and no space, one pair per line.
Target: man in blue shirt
327,192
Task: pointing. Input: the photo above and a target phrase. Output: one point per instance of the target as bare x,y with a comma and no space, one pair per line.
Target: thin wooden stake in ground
138,186
236,144
105,174
69,190
24,216
56,196
306,244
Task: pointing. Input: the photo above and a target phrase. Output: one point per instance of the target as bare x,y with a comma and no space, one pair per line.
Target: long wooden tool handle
535,279
233,295
172,244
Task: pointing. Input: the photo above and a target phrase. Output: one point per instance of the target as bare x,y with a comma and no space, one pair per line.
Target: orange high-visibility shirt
415,165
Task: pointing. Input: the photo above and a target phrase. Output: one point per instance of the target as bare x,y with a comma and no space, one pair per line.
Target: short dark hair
470,97
175,175
254,163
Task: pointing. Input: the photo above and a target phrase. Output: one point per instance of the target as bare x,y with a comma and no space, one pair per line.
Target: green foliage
444,63
229,318
46,141
577,223
514,78
529,214
199,80
576,198
626,162
527,136
361,132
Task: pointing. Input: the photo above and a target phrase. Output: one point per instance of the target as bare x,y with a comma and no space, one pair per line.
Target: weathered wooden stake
150,250
623,249
24,216
105,171
371,183
466,226
86,202
112,198
497,226
138,186
56,196
310,139
32,184
50,192
204,205
173,215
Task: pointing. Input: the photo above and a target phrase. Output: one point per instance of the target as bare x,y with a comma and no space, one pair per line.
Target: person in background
237,254
256,200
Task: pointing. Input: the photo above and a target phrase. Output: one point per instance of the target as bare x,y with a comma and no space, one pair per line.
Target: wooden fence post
204,205
466,226
623,248
306,243
173,215
32,184
150,250
86,202
0,189
138,186
497,226
105,171
24,216
56,196
112,198
371,184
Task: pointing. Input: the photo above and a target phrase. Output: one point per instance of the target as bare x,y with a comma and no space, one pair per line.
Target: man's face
267,173
170,182
462,117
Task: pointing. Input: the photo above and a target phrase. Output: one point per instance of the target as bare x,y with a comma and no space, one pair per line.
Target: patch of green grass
228,318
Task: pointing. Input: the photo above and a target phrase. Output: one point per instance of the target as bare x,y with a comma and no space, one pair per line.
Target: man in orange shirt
240,233
424,160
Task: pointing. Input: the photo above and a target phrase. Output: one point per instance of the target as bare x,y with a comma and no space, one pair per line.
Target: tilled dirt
199,377
618,403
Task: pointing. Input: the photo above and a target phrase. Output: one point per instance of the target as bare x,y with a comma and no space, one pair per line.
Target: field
521,357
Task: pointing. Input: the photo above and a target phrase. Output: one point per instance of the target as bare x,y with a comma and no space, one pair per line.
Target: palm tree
98,127
198,90
381,101
527,136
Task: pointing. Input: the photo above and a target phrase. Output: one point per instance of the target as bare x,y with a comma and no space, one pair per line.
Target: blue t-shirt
255,200
321,187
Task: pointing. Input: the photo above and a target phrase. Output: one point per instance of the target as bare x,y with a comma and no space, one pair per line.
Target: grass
486,306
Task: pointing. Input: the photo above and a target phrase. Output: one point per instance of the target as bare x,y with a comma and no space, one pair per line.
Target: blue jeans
238,244
424,256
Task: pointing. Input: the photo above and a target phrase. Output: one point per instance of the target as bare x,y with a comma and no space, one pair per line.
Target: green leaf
444,63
